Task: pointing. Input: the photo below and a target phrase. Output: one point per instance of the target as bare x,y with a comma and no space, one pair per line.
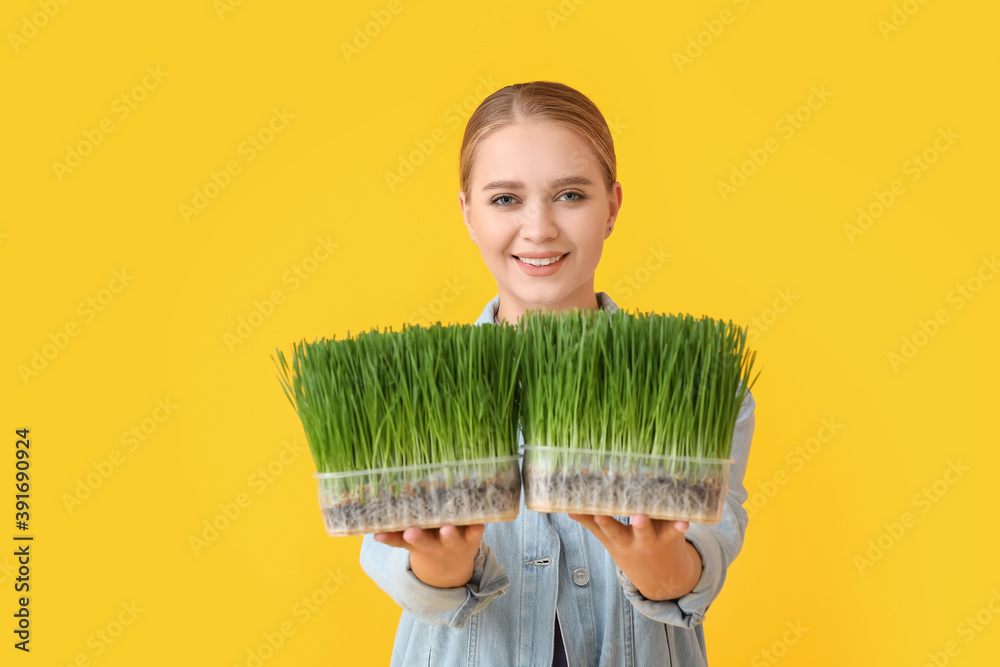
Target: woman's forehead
533,153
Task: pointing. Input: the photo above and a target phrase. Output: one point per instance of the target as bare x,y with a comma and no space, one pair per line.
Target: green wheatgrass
644,383
423,395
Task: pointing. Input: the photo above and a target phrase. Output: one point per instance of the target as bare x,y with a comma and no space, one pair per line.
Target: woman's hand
652,553
440,557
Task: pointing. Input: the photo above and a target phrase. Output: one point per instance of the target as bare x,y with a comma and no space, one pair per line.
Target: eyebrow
558,183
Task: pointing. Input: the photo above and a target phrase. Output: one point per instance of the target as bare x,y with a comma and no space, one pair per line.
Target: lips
534,254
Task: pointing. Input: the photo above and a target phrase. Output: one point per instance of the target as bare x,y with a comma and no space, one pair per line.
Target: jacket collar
490,311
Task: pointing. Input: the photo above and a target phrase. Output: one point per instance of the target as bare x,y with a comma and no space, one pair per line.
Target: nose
538,223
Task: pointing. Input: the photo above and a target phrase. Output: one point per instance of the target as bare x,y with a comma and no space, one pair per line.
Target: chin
544,296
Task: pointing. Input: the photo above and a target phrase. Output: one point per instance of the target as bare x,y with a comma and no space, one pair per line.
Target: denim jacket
529,568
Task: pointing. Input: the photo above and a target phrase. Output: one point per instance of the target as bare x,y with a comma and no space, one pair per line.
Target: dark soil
425,504
607,492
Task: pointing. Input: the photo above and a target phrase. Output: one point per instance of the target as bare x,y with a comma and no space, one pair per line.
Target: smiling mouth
543,261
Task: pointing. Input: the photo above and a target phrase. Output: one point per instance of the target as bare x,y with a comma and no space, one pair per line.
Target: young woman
539,197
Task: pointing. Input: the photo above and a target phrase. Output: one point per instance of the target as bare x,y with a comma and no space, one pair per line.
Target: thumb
474,533
680,526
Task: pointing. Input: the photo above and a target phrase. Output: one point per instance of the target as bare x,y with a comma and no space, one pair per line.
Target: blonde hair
541,102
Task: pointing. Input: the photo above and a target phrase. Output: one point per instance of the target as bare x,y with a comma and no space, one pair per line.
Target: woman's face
537,192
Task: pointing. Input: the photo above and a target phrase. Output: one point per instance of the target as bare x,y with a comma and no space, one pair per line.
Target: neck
511,309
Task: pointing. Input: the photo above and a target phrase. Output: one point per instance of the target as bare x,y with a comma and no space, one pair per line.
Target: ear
464,207
614,206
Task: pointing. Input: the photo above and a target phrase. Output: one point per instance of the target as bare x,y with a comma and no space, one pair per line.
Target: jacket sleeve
718,544
389,568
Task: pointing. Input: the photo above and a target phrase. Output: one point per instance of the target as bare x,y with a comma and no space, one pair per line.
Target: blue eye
578,196
496,200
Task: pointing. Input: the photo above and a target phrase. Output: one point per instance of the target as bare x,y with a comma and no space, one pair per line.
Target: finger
644,529
612,529
588,522
391,539
672,528
451,536
474,532
419,538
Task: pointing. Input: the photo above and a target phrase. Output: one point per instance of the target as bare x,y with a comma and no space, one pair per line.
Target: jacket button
581,576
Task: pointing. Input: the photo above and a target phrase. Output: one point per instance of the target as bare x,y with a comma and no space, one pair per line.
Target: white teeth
541,262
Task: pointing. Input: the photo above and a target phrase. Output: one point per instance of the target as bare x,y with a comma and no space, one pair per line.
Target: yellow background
680,128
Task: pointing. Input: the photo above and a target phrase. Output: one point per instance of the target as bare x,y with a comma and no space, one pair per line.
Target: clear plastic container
429,496
586,481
